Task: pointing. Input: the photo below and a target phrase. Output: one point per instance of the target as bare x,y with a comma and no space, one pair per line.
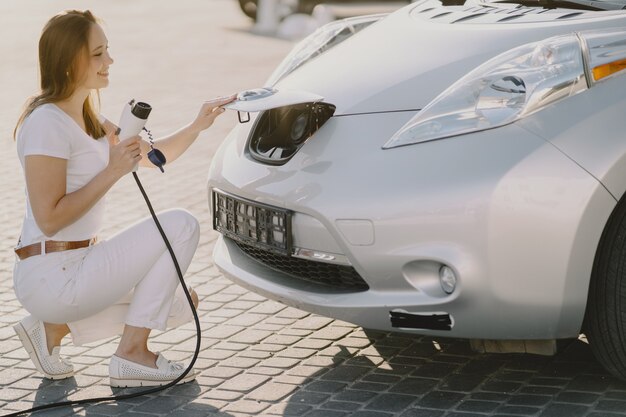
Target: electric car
445,170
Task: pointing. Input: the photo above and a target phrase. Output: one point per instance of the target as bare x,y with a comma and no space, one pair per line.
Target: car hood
406,59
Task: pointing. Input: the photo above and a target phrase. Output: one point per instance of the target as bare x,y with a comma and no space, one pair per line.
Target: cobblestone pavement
258,357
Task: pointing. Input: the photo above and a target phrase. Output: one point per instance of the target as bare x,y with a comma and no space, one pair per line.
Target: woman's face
99,60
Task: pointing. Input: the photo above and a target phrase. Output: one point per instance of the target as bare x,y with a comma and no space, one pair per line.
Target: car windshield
570,4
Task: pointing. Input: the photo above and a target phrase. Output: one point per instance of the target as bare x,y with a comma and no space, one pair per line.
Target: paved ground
258,357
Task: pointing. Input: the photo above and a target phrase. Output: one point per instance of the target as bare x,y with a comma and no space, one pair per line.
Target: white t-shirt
50,131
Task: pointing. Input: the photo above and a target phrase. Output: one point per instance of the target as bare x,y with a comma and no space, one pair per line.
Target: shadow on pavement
411,376
176,401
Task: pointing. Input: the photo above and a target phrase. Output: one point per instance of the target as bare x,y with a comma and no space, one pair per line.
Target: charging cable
155,389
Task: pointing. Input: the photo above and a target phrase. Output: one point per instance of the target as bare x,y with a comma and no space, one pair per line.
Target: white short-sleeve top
50,131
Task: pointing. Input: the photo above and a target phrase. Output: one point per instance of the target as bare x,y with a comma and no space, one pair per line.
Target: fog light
447,279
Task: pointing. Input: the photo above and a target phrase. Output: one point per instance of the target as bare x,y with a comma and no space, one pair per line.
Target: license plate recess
259,225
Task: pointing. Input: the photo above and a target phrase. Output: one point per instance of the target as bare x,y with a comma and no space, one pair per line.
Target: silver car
444,170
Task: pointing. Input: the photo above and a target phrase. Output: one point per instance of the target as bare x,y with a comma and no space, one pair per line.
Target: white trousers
129,278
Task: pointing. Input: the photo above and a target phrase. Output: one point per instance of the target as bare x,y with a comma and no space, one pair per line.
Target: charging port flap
260,99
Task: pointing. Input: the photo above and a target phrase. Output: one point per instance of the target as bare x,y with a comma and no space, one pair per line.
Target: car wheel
605,318
248,7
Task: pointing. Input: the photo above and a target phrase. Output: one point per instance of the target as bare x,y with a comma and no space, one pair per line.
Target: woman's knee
181,222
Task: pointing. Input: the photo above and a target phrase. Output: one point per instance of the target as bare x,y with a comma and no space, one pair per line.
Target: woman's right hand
124,156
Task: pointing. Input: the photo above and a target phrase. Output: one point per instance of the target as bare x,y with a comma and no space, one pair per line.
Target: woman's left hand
209,112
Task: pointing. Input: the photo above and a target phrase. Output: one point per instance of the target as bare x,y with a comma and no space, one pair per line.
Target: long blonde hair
63,42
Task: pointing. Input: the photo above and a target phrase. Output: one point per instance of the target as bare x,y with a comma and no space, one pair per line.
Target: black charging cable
151,390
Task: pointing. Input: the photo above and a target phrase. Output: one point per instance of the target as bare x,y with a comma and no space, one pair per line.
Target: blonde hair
62,46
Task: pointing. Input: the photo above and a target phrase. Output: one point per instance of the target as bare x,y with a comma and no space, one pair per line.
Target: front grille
338,277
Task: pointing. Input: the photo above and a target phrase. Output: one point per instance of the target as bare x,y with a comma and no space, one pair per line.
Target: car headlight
506,88
320,41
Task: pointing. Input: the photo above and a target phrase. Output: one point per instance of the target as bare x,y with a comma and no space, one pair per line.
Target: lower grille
338,277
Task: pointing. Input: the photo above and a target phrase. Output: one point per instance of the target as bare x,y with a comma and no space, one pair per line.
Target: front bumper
515,219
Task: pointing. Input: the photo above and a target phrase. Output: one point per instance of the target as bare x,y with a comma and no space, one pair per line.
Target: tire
605,317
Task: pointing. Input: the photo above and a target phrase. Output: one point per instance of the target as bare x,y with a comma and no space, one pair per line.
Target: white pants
128,279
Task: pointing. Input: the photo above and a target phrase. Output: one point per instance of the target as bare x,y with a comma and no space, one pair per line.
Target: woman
69,282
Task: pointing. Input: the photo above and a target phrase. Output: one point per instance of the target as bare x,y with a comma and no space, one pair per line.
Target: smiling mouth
104,74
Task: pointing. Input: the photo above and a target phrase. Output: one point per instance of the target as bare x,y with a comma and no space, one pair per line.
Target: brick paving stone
205,404
225,331
477,406
295,332
577,397
306,370
293,313
240,362
11,394
385,379
254,354
529,400
279,321
552,382
227,313
331,333
296,353
288,409
325,413
247,406
289,379
250,336
222,372
308,397
244,382
277,362
516,410
392,403
326,386
501,386
490,396
371,414
434,370
228,345
564,410
246,319
312,323
341,406
440,399
366,360
10,376
324,361
611,406
590,383
219,394
263,370
415,412
461,382
267,307
539,390
414,386
345,373
272,392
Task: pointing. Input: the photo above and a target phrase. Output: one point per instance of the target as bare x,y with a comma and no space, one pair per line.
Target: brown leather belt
51,246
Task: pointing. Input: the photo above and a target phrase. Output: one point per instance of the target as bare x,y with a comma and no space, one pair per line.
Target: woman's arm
177,143
52,207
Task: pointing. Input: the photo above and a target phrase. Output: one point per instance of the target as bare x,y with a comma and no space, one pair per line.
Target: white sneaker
124,373
33,336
